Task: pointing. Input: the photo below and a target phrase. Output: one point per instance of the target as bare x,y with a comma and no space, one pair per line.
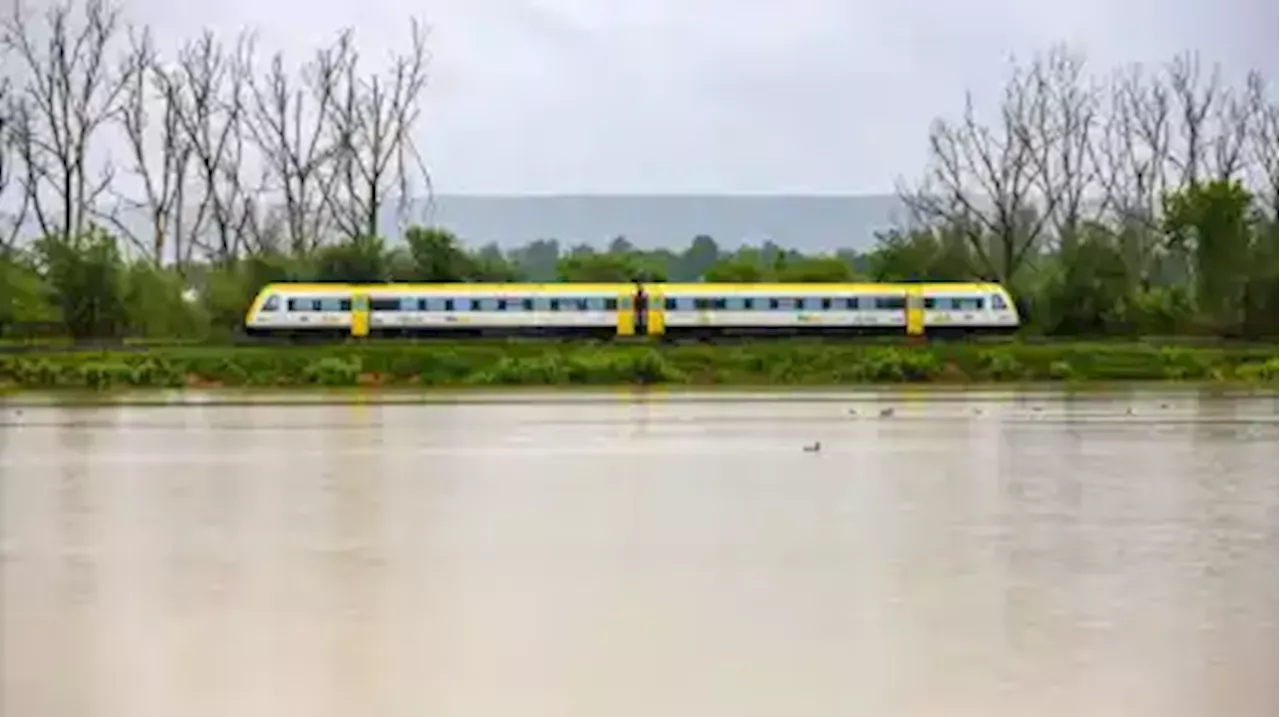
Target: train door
360,315
627,314
915,312
655,318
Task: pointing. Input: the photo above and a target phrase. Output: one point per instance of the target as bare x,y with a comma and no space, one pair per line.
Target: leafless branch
287,124
983,180
68,94
371,121
159,156
208,90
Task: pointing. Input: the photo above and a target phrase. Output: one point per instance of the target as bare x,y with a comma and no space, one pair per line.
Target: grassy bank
543,364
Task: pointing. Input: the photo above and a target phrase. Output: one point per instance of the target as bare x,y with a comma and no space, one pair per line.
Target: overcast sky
674,96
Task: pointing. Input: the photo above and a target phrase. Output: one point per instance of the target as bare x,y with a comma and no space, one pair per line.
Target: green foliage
154,305
361,260
84,274
788,363
437,255
1212,223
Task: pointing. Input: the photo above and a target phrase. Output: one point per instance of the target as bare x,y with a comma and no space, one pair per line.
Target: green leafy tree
85,275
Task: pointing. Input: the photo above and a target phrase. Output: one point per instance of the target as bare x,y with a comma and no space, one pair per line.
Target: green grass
535,363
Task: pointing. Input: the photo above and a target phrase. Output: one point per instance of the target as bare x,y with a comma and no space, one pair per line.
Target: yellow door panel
626,315
359,315
656,312
915,312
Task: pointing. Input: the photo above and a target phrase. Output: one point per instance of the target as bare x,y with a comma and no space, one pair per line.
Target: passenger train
641,309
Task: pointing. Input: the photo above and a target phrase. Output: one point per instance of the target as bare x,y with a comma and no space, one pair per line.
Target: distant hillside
807,223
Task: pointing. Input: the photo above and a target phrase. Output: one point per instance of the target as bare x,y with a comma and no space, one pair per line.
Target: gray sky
673,96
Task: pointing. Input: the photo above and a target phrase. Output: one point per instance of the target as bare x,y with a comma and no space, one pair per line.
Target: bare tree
159,156
69,93
1226,157
1263,137
1060,134
1193,99
287,123
983,180
10,168
1138,140
208,89
371,120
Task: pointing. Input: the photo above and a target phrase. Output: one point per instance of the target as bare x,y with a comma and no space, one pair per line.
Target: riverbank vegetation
537,363
1135,202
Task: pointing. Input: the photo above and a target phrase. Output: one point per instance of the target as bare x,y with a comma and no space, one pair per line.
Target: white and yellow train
652,309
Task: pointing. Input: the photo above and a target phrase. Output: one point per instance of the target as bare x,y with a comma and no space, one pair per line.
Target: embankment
784,363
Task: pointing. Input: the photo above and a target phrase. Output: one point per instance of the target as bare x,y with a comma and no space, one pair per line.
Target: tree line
1141,201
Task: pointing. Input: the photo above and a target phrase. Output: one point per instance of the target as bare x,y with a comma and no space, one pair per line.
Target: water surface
638,554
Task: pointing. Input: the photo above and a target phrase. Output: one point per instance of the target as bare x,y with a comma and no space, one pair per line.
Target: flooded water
618,554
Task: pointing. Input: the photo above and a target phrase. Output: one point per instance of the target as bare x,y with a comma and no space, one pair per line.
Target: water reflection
640,554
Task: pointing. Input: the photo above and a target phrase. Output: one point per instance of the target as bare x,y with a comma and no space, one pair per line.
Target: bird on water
817,446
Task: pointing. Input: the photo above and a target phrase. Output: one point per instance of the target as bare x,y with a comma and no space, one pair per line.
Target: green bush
548,364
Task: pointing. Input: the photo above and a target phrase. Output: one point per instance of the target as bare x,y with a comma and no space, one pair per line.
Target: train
658,310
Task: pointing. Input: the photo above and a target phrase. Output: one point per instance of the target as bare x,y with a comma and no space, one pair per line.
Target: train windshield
997,302
272,303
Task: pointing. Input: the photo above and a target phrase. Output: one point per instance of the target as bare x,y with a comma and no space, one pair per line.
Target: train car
849,309
656,310
325,310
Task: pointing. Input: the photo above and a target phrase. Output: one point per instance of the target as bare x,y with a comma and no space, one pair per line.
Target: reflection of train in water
652,309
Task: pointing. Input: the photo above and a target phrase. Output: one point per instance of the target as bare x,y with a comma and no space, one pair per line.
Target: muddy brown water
996,553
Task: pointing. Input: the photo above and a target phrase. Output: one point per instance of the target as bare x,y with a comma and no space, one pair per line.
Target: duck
817,446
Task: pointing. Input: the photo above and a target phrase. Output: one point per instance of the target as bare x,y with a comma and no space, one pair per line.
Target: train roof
448,287
663,287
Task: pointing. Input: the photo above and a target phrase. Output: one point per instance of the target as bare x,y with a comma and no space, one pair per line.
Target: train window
553,305
334,305
930,303
998,302
460,304
787,304
541,303
702,304
719,304
409,304
384,304
611,304
852,303
733,304
890,303
750,304
298,305
526,304
436,304
967,303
